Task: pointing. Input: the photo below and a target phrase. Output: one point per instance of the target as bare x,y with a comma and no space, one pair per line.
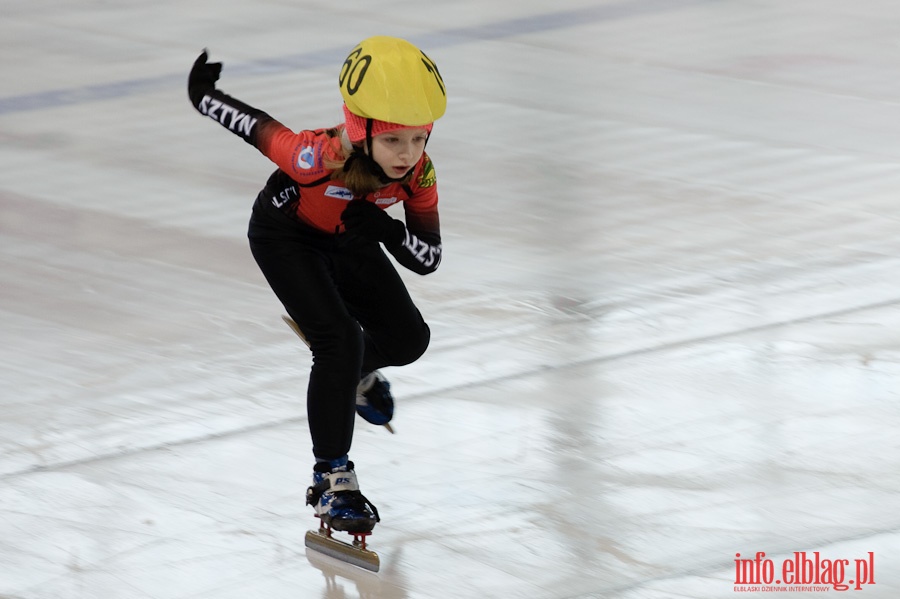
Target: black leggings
352,307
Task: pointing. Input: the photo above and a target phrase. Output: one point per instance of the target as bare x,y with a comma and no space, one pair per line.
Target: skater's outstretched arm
256,127
241,119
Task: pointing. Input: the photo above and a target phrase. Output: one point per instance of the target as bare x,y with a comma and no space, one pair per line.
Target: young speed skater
316,232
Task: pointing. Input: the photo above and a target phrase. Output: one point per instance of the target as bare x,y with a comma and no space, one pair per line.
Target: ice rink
664,333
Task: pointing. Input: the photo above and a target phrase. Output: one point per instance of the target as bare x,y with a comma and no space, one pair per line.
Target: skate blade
290,322
345,552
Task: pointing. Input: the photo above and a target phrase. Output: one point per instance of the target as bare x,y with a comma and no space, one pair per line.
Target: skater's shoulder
424,175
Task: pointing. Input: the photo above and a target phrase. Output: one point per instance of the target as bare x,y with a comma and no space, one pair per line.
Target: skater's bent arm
419,252
420,249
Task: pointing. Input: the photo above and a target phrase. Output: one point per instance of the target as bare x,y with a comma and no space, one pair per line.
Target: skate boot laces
374,402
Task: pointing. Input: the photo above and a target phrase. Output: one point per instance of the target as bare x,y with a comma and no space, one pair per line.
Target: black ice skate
374,401
340,506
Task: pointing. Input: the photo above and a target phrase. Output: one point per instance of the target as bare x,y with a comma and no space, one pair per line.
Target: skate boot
336,498
374,401
340,506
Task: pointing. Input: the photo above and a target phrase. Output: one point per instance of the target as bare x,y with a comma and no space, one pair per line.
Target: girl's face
398,151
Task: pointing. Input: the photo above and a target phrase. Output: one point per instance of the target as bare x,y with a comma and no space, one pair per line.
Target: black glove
368,220
203,77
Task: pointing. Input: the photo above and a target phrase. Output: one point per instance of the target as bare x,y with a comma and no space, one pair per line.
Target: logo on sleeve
428,177
341,193
307,158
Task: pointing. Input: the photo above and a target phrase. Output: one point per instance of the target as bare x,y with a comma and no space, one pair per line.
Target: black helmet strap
369,135
369,159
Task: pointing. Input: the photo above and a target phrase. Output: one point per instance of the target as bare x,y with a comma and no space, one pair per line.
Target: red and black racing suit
341,290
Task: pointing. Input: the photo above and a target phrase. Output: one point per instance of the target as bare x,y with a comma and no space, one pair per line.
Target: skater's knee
414,345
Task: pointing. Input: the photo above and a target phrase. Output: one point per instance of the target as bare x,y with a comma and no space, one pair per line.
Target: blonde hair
357,176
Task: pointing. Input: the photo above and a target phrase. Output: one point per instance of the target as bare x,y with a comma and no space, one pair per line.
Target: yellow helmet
389,79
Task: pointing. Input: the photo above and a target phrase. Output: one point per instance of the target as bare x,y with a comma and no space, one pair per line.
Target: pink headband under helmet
356,126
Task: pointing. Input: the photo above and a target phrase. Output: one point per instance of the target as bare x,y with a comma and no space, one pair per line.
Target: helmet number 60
350,78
